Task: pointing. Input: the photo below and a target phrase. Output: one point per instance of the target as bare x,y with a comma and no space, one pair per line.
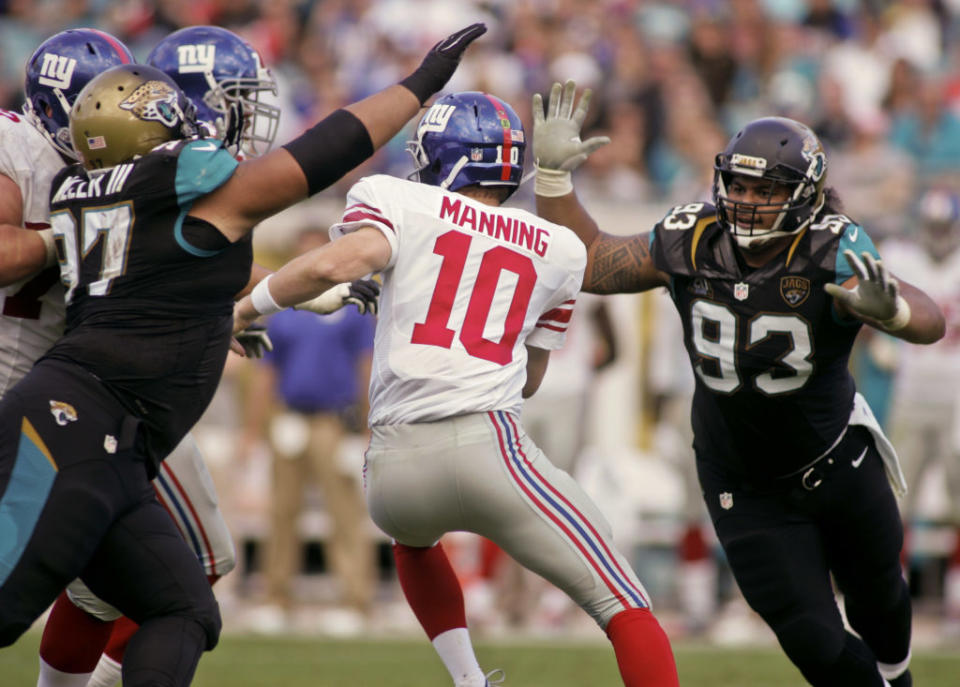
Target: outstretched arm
615,264
263,186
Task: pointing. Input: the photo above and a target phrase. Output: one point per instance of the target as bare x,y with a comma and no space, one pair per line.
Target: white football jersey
467,286
929,373
31,310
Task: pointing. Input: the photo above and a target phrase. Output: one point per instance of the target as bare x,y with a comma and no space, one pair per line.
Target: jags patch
794,290
62,412
154,101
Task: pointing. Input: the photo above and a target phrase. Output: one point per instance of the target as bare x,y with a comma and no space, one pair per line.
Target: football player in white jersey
925,403
475,296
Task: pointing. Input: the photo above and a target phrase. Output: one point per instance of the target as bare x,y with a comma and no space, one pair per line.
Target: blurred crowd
878,80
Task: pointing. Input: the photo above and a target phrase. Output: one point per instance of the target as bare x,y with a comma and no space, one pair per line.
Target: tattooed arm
615,264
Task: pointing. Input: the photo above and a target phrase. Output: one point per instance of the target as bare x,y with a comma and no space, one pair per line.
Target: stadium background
878,80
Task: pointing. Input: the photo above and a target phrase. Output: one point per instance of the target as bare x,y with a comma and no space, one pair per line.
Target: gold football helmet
126,112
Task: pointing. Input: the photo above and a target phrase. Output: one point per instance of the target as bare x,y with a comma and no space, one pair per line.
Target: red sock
123,630
955,556
643,650
490,557
73,639
431,588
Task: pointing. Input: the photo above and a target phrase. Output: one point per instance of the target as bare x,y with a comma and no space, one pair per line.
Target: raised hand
877,295
441,62
557,147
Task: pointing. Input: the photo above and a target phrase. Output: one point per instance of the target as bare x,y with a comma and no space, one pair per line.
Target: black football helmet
782,151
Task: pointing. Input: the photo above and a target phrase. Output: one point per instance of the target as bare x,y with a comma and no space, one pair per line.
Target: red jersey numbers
454,248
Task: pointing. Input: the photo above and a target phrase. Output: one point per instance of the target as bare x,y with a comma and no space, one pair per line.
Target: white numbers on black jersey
720,346
682,216
834,223
108,225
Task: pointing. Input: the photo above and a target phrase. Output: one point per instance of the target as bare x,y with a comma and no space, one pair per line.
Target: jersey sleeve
550,332
366,207
203,166
853,238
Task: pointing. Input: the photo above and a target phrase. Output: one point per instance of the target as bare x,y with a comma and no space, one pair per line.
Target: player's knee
812,643
207,615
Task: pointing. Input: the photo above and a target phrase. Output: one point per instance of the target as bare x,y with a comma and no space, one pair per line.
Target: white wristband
261,300
901,316
552,183
50,245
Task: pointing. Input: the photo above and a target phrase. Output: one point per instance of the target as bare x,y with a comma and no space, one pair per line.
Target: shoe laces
495,677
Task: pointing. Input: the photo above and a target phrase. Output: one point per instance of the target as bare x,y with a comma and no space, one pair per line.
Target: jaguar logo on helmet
812,152
794,290
154,101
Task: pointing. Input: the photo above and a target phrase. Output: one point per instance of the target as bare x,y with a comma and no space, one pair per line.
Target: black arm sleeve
330,149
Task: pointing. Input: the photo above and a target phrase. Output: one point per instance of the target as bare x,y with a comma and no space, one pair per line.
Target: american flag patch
96,143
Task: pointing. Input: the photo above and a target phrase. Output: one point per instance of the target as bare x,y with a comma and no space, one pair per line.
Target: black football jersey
770,352
149,291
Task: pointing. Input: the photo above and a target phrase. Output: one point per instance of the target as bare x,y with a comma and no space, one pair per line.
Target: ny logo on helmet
436,118
194,59
57,70
154,101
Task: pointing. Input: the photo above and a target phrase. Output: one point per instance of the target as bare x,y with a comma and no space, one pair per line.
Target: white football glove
557,148
363,293
877,296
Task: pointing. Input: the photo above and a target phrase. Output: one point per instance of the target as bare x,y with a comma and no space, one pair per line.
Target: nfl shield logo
726,500
741,290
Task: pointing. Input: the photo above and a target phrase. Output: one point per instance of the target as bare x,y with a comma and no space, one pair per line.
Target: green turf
244,661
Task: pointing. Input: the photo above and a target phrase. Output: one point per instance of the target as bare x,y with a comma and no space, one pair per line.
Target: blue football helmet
57,72
469,138
223,75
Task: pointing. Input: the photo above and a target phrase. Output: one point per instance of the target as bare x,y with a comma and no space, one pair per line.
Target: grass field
246,661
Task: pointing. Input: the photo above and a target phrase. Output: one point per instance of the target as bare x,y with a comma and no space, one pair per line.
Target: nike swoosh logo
853,233
204,147
859,460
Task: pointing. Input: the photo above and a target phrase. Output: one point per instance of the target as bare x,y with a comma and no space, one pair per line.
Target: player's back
31,310
467,286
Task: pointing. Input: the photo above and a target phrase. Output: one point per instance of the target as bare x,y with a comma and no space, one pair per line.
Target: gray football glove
254,340
877,296
556,137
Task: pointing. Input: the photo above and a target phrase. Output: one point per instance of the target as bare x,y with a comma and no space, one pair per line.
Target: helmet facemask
261,119
788,160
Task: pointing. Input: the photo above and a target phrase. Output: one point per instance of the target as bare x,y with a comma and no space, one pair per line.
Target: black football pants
75,501
783,543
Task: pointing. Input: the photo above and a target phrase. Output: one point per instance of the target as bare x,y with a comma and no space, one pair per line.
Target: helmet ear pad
469,138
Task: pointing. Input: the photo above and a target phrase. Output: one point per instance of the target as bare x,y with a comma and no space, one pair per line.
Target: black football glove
233,136
441,62
254,340
365,294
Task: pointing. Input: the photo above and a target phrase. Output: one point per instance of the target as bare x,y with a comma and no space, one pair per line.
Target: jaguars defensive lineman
772,283
153,236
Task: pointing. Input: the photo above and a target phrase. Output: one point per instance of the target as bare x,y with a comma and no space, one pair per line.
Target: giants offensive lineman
772,284
474,298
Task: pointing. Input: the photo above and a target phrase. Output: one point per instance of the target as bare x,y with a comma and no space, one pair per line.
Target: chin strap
445,184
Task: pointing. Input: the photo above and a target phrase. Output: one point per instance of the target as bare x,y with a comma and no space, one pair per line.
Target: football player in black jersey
772,283
153,238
